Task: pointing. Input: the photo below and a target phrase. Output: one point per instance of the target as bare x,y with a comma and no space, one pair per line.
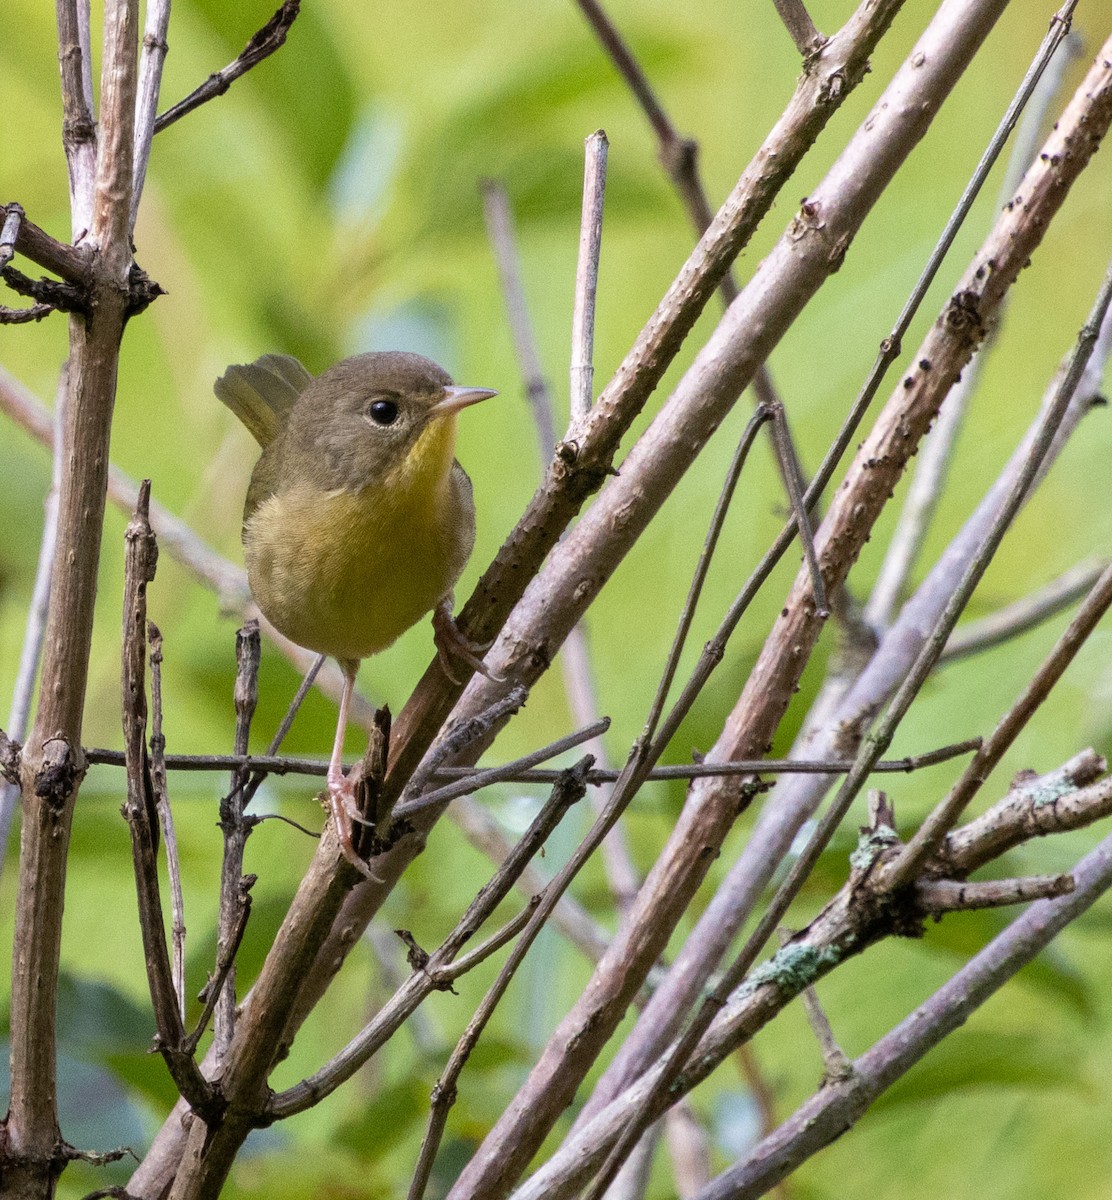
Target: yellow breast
346,572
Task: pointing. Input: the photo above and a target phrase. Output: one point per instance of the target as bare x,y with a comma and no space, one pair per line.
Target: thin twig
710,542
500,233
930,834
617,860
483,778
835,1062
142,554
166,820
155,49
973,637
271,37
933,461
586,276
435,973
461,735
236,830
31,650
872,747
789,470
596,777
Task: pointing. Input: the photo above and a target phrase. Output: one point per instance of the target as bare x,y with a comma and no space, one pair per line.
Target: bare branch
500,231
51,765
271,37
491,775
797,21
155,49
234,888
832,1110
433,973
933,461
939,896
142,555
79,136
29,656
166,821
596,777
586,276
934,828
973,637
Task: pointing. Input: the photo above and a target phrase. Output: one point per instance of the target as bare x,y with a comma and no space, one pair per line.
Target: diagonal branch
262,45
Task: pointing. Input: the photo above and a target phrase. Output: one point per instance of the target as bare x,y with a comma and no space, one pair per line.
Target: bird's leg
451,643
341,791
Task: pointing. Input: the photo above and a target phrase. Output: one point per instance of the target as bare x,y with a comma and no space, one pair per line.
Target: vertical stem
53,762
586,275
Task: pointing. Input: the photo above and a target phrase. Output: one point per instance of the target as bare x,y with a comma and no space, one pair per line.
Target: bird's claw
452,644
345,812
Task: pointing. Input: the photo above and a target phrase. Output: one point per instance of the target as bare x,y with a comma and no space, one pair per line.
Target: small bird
358,519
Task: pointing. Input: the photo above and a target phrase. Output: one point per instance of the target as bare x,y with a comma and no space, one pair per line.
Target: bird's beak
456,398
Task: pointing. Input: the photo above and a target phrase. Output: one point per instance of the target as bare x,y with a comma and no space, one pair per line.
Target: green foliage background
327,205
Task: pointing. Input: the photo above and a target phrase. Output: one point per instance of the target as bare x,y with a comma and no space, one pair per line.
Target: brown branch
586,275
973,637
596,777
234,887
797,21
938,896
711,812
79,131
436,972
166,817
142,555
271,37
52,765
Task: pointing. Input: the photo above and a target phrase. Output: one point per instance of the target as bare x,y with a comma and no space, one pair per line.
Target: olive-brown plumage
358,519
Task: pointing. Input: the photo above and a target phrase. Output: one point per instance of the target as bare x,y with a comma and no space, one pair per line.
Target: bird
358,518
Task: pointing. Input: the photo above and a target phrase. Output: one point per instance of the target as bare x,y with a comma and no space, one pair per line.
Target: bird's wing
262,393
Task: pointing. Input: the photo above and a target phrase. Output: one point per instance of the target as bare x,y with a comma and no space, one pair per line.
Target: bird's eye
383,412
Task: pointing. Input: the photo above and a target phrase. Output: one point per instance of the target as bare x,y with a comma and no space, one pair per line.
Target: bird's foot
345,813
451,644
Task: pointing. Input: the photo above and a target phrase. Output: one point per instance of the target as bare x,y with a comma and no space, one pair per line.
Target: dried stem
586,276
166,819
271,37
797,21
596,777
500,231
234,895
705,821
435,972
31,651
155,49
834,1109
933,461
51,763
142,555
1029,612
